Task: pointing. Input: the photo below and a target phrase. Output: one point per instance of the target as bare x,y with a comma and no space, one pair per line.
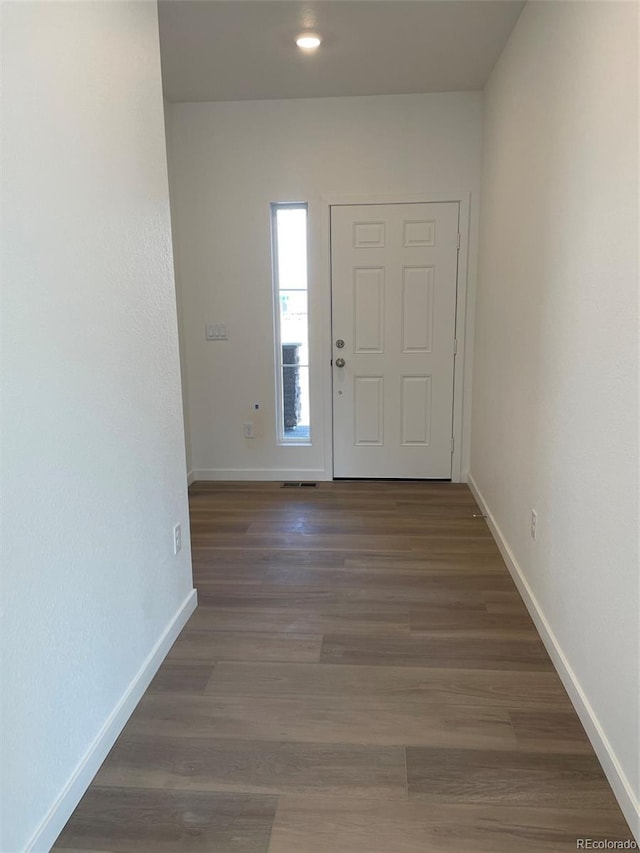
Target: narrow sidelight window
289,236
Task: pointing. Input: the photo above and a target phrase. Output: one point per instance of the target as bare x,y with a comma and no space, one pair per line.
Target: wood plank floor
361,676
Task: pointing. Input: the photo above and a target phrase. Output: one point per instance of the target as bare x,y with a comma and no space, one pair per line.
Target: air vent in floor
299,486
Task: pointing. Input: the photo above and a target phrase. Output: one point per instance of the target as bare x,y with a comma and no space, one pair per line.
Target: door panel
369,410
368,310
417,309
416,410
394,274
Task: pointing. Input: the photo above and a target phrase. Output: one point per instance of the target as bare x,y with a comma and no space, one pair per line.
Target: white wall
555,412
180,311
229,161
93,469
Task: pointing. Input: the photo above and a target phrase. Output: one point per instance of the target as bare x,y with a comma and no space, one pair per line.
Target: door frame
464,200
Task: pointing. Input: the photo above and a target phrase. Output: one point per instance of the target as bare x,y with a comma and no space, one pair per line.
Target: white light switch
216,332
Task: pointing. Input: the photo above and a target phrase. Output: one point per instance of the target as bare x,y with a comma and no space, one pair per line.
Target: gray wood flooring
361,676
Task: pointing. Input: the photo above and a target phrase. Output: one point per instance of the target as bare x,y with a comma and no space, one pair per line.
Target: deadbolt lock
339,343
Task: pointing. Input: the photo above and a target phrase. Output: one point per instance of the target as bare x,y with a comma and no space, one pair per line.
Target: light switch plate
216,332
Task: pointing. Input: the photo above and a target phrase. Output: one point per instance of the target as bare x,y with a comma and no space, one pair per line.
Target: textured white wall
555,413
228,162
181,334
93,470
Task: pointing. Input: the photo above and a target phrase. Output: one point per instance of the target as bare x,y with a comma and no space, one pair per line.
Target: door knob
340,362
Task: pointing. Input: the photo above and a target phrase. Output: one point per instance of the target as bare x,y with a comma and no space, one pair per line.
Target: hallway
360,676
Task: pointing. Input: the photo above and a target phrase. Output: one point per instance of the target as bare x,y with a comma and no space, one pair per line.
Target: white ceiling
233,50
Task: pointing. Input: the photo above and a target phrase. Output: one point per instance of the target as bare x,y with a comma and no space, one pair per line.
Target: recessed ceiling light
308,41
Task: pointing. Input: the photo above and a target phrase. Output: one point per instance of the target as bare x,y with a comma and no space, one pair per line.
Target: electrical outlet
177,538
534,523
247,430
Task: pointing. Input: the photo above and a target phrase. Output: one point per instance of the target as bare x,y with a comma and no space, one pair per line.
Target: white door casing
394,275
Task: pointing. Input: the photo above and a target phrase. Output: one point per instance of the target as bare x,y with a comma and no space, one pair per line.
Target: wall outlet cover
177,538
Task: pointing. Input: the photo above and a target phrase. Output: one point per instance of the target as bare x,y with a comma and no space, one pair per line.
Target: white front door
394,276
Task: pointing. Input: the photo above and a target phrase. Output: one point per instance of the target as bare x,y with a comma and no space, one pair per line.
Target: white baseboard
190,477
259,474
596,734
64,805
